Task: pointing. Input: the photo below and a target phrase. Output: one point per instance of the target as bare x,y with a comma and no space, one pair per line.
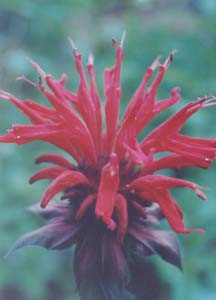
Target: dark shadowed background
39,29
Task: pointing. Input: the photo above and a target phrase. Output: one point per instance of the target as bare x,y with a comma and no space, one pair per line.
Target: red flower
111,164
113,190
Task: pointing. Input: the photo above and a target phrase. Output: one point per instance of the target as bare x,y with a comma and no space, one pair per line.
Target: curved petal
174,161
153,182
46,173
63,181
55,159
172,212
84,206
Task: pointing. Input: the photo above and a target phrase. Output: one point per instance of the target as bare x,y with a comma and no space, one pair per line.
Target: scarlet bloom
113,192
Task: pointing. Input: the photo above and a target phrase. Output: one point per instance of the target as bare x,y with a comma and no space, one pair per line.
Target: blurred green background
39,29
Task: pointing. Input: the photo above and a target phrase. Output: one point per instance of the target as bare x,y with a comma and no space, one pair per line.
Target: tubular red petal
96,99
172,125
35,117
63,141
63,79
108,188
88,114
113,94
154,87
130,115
137,98
84,206
44,111
146,112
86,104
72,97
62,106
137,156
122,214
190,150
8,138
165,103
169,59
174,161
37,68
157,182
63,181
54,158
143,107
135,153
172,212
36,132
55,137
74,123
200,142
46,173
94,90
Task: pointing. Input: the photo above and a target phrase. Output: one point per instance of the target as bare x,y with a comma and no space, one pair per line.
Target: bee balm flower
113,193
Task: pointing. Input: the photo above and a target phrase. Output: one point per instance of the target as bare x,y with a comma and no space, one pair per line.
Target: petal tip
123,39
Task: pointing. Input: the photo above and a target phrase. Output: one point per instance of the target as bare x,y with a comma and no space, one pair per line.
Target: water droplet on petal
18,137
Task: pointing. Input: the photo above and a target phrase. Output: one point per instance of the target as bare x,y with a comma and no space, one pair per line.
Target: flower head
113,192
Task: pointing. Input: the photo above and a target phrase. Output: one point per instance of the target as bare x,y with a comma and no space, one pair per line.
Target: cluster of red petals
111,164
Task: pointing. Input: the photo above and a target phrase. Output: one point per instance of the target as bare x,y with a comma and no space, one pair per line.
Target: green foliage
39,29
